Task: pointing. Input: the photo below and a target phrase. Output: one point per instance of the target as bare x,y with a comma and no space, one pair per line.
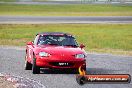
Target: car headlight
80,56
43,54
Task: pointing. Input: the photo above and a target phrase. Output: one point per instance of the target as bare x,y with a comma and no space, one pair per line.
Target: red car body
53,55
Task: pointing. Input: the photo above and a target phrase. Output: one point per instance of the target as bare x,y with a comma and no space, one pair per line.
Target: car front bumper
60,64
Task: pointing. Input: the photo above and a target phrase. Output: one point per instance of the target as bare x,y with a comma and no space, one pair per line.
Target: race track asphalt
64,19
12,62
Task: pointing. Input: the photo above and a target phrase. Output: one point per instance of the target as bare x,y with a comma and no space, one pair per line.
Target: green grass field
18,0
8,0
66,10
96,37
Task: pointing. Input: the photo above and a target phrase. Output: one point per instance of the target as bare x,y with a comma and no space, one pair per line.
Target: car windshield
57,40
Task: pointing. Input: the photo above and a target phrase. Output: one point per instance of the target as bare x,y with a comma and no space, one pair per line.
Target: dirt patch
8,81
5,84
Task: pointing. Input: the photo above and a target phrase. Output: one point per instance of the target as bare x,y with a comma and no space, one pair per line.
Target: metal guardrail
105,1
87,0
82,0
128,2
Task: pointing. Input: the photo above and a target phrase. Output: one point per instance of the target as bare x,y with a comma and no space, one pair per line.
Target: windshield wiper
52,44
71,45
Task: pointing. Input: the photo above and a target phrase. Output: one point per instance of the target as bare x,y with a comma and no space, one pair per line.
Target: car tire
28,66
35,69
85,68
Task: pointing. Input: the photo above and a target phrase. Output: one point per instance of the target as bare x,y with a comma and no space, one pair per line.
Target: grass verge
66,10
8,0
110,38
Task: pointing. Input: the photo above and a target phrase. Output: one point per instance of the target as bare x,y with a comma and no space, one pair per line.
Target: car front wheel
35,69
28,66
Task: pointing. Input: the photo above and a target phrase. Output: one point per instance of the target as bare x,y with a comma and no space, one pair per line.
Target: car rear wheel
35,69
28,66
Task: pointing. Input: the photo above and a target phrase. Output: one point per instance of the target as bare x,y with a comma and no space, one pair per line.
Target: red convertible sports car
54,50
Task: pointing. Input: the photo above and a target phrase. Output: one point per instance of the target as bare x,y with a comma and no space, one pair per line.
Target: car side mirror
82,46
30,43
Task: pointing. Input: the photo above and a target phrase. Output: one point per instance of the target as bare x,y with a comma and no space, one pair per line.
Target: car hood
59,49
